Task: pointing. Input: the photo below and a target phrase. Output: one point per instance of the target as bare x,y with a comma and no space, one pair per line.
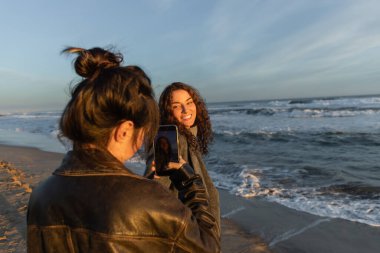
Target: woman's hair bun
91,61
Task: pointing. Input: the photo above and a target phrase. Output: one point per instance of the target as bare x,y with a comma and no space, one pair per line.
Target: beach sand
248,225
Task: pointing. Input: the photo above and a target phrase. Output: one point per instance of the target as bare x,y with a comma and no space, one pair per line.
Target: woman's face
183,107
164,144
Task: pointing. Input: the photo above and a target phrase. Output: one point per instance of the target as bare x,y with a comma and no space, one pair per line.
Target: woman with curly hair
181,105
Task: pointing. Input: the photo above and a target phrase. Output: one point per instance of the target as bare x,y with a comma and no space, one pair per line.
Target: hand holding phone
166,149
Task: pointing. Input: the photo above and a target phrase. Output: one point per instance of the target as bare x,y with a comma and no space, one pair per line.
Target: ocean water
316,155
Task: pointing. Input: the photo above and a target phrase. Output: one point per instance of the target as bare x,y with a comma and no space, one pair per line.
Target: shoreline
248,225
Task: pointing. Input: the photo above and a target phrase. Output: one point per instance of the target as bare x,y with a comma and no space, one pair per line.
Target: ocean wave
249,111
300,112
344,207
35,116
361,100
301,101
251,181
45,129
353,189
346,138
331,112
351,202
36,123
326,138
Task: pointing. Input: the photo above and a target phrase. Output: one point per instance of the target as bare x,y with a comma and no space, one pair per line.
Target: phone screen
165,147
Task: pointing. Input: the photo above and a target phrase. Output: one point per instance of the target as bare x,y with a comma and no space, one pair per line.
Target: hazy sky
229,49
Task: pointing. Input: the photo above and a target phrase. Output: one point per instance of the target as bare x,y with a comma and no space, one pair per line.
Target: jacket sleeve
200,230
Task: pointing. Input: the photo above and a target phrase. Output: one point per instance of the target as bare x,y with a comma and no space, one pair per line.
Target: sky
230,50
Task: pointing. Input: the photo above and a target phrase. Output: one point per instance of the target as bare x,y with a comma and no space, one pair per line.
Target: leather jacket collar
91,162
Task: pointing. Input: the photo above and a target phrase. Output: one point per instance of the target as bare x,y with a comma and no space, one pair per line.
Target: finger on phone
153,169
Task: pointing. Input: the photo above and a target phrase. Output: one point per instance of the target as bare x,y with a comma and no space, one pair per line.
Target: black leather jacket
92,203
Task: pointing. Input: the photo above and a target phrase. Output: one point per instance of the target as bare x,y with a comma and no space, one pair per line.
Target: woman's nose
184,109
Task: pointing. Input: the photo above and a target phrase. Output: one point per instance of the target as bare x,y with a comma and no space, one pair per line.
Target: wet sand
286,230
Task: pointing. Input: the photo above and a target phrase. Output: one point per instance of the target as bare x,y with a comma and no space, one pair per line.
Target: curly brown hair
202,121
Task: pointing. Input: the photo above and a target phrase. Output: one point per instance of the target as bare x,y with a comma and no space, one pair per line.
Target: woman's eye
190,102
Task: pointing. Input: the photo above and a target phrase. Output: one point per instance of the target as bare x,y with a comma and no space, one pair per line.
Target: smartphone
165,148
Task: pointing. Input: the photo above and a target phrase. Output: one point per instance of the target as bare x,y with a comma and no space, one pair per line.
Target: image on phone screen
165,147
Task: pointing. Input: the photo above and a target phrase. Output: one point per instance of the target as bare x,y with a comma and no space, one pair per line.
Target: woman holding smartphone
181,105
92,202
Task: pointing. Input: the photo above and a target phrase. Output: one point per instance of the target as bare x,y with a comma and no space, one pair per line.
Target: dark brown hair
202,121
108,95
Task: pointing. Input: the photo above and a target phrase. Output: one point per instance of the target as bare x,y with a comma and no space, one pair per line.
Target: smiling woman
182,105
